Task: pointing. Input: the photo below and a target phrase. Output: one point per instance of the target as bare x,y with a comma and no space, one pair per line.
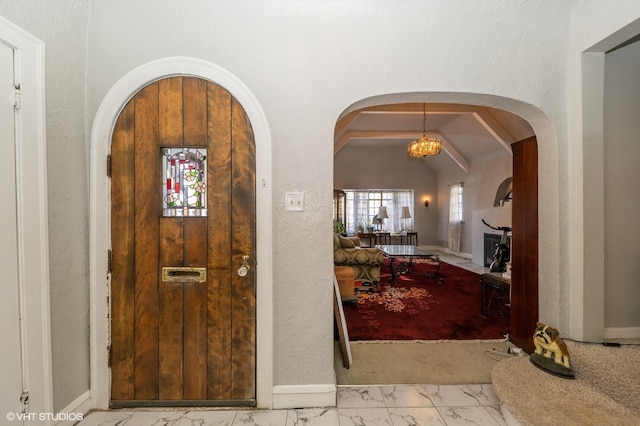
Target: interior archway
540,126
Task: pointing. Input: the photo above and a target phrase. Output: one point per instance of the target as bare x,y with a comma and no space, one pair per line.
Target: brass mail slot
183,274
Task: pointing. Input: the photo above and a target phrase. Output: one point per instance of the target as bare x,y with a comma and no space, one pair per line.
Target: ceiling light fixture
424,147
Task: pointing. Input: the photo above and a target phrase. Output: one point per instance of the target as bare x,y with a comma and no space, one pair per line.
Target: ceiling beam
455,155
341,139
412,108
497,130
417,108
343,125
482,114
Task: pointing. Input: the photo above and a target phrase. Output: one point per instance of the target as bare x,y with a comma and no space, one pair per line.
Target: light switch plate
295,201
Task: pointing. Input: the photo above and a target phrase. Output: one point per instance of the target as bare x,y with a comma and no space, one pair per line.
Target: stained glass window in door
185,186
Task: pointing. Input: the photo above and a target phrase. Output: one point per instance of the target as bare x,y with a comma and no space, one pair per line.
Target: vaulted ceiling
467,131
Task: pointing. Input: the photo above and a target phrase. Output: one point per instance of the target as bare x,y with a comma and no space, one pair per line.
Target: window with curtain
455,203
455,217
363,206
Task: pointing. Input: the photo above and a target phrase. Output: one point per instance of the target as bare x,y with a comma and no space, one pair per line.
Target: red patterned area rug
415,307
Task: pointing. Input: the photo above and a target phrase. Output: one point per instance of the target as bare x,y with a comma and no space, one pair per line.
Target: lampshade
382,213
504,219
406,214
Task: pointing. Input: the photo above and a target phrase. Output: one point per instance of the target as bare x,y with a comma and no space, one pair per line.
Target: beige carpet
425,362
605,391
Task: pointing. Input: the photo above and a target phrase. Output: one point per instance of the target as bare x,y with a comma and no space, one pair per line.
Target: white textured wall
306,62
596,27
61,25
389,168
621,175
480,185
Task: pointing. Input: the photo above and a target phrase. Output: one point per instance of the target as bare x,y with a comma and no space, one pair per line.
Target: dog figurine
548,343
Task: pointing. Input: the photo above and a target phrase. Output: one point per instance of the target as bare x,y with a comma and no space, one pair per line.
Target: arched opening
492,116
109,109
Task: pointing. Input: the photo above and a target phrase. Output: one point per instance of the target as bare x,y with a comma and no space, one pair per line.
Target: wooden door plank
524,243
219,272
171,300
195,311
148,209
170,123
195,111
188,341
243,204
123,256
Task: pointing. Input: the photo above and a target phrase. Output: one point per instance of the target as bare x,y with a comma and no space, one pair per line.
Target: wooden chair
384,238
412,239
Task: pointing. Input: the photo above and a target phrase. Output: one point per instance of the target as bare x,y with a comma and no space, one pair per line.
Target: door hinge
109,356
17,103
24,400
109,165
109,261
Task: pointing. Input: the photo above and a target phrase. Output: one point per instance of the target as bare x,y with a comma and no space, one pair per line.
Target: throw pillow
336,242
346,242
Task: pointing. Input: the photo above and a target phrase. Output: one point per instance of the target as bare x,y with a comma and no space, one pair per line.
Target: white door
10,334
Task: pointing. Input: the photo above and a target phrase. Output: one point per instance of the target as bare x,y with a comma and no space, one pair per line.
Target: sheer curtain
455,217
357,210
360,204
401,199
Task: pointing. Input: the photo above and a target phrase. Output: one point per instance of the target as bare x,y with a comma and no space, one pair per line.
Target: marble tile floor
389,405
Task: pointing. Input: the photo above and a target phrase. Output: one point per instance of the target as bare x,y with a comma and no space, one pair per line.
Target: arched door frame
552,296
100,225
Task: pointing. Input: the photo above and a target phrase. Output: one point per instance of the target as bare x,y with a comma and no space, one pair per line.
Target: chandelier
424,147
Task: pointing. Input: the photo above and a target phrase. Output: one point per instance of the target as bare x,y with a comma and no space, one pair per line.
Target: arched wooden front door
183,321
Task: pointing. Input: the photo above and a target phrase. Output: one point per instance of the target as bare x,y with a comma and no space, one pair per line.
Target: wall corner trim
622,332
79,407
296,396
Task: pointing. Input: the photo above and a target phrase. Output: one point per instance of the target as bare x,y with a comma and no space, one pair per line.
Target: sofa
365,261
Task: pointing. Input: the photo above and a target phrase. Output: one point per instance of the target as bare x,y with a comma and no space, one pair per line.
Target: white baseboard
304,396
461,254
622,332
448,251
76,411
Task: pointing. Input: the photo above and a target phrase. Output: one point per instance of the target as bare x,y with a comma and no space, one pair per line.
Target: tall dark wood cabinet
339,207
